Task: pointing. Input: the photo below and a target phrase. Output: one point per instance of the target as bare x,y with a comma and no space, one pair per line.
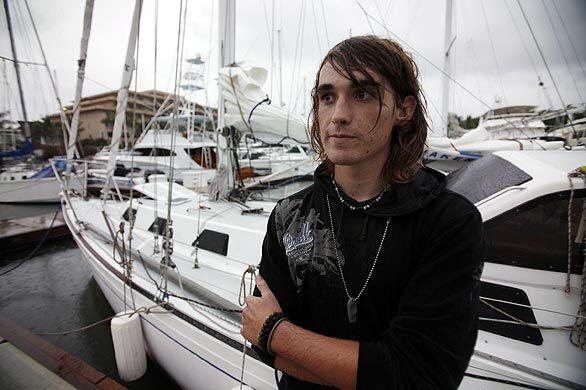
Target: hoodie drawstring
364,229
339,227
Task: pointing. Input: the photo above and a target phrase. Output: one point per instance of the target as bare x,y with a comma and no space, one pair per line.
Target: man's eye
362,95
326,98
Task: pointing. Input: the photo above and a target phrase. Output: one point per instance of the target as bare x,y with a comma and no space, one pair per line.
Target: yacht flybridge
532,317
170,153
507,128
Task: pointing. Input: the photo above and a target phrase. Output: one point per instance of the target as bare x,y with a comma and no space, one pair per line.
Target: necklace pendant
352,307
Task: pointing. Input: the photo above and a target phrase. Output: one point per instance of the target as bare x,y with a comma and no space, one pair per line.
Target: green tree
46,131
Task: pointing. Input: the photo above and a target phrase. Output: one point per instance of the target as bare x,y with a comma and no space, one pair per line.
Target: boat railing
84,170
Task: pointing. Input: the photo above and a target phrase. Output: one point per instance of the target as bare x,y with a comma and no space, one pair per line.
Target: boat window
493,321
294,149
158,226
213,241
535,234
204,157
485,177
159,152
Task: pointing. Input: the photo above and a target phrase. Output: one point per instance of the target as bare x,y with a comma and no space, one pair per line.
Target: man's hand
257,310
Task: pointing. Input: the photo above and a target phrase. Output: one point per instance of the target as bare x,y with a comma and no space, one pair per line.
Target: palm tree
47,131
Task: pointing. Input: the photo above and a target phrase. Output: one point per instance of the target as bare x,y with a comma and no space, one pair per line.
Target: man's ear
407,109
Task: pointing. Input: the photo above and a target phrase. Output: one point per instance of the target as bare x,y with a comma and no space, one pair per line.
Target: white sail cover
242,92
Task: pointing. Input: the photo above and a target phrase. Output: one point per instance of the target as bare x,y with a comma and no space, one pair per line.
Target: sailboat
28,182
184,261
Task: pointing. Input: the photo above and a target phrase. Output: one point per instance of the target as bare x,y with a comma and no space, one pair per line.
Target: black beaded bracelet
267,329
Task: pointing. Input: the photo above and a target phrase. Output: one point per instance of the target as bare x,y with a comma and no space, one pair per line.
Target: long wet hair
367,54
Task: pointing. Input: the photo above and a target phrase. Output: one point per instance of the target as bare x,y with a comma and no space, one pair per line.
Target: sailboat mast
448,41
122,98
27,130
85,37
226,36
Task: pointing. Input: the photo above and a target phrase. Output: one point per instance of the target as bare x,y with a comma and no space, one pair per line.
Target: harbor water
54,292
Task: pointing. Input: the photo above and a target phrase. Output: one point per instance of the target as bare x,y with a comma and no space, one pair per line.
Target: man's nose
342,114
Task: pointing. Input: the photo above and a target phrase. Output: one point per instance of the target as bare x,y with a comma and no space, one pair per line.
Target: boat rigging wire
555,33
414,50
569,37
547,67
298,49
525,47
22,62
184,298
317,34
40,243
323,14
494,56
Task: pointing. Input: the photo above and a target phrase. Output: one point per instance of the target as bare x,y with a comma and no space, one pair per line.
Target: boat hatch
485,177
493,321
213,241
158,226
126,214
535,234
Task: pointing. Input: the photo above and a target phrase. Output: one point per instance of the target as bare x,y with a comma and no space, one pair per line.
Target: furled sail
249,110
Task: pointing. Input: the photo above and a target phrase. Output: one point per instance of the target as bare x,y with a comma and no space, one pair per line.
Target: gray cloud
420,23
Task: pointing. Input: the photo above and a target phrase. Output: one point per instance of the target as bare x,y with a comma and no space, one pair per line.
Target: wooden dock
17,234
28,361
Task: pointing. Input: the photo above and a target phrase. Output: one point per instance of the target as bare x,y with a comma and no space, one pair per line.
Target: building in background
97,112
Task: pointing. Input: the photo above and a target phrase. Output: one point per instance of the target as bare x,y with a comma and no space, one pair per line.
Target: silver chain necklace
352,305
365,207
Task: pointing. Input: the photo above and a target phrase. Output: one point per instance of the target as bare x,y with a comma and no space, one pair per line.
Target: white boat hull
194,354
202,353
45,190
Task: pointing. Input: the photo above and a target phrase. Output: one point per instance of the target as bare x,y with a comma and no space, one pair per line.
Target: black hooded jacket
417,317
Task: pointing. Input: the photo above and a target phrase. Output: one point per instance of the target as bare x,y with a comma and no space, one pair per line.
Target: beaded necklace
365,207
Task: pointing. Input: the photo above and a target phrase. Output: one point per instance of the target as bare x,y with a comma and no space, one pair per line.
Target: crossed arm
301,353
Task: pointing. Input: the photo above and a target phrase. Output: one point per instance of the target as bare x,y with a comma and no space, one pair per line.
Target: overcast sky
494,55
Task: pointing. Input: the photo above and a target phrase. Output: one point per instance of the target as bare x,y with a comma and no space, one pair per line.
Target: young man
369,278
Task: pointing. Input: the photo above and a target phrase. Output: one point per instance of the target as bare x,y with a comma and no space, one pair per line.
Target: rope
524,323
242,293
242,301
146,310
533,307
578,333
266,100
578,172
38,245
